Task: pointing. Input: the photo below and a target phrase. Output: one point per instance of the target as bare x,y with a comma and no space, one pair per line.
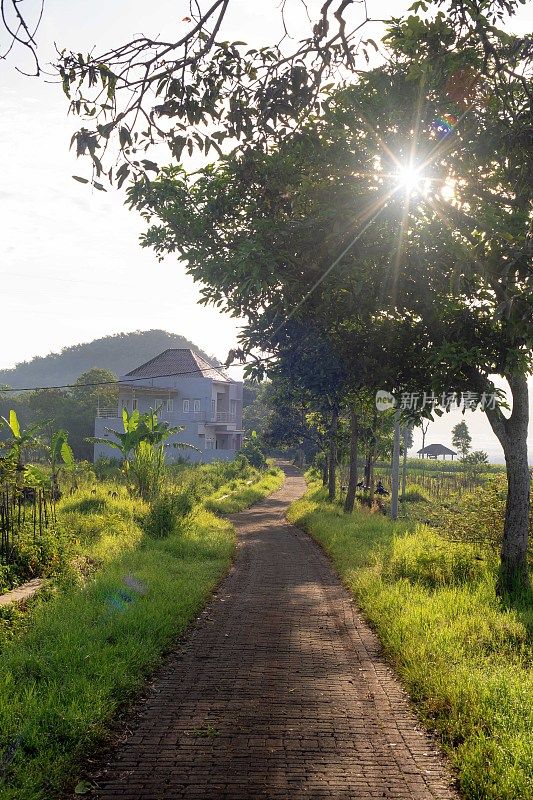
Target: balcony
177,417
222,416
107,413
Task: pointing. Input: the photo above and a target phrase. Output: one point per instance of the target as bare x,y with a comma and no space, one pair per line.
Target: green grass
89,643
464,655
428,465
241,493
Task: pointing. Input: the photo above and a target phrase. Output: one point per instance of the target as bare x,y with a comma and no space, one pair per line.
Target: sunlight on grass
87,644
464,656
242,494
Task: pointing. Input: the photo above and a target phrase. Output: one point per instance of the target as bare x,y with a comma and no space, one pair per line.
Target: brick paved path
280,691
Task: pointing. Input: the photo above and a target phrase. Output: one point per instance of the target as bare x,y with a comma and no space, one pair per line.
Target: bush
415,493
253,453
101,501
424,557
479,516
203,480
165,514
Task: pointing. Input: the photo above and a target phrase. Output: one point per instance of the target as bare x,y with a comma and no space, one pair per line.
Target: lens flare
410,178
444,125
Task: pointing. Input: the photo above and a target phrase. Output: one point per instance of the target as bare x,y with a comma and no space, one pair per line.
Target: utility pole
395,466
406,431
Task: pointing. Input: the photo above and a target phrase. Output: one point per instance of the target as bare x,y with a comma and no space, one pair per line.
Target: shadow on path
279,692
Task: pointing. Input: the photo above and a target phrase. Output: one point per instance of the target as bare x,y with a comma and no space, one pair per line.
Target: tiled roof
178,362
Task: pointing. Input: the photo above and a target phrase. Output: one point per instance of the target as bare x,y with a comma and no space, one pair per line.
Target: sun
410,179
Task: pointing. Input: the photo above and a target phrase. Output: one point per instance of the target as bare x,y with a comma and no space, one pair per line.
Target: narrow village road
279,692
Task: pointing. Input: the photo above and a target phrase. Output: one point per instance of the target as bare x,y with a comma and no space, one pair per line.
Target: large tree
450,257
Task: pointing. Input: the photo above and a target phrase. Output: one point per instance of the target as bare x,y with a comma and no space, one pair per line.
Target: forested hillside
119,353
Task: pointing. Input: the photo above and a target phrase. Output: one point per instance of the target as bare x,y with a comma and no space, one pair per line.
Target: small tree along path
279,692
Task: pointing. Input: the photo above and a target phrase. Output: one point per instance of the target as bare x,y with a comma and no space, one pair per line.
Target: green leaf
83,787
67,455
80,180
14,423
112,82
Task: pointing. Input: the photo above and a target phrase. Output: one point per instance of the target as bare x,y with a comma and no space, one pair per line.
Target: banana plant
154,438
19,439
60,456
125,442
142,447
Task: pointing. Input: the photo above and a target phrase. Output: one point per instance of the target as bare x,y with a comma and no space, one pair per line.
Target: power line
129,380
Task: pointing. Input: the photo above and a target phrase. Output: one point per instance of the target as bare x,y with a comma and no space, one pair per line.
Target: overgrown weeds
464,655
87,643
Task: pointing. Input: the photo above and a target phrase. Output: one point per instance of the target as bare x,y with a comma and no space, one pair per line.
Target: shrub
88,505
203,480
253,453
478,516
415,493
165,514
100,501
424,557
475,465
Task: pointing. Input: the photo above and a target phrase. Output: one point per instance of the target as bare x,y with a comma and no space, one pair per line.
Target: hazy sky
71,268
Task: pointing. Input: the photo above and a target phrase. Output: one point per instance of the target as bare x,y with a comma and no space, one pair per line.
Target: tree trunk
332,459
395,466
367,466
372,458
325,471
512,433
352,478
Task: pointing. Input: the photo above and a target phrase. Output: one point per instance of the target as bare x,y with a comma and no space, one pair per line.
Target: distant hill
119,353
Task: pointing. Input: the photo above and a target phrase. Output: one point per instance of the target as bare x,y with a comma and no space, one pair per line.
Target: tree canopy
389,237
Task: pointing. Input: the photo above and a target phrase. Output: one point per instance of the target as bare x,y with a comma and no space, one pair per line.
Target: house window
186,406
196,406
209,443
170,404
233,406
213,406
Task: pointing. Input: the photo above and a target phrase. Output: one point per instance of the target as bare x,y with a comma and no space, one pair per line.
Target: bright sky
71,268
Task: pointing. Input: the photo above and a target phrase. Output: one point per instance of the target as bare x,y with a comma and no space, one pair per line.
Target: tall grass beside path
87,646
465,656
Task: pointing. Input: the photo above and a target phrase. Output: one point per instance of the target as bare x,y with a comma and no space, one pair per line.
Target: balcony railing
223,416
107,413
177,416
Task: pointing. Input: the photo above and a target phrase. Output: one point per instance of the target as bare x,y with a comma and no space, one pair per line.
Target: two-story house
189,392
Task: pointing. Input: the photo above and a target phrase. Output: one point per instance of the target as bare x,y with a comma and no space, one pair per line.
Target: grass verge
464,655
240,494
84,651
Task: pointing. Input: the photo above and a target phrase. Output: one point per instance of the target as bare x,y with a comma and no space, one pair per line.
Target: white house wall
197,427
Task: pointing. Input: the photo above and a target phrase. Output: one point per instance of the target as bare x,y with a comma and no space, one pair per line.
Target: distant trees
72,410
118,353
461,438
